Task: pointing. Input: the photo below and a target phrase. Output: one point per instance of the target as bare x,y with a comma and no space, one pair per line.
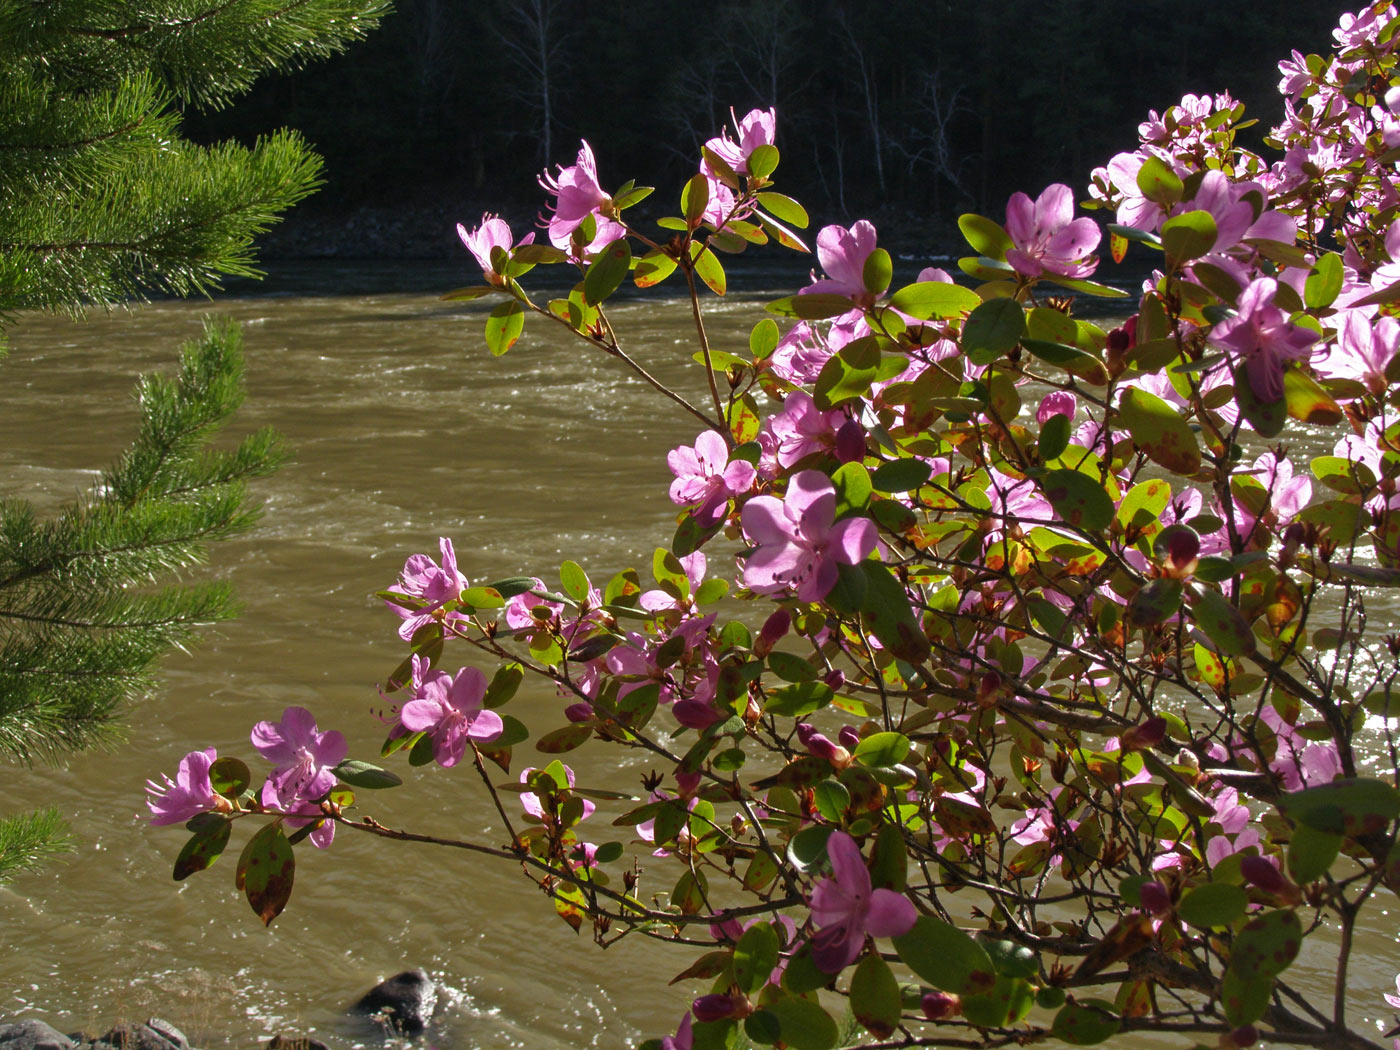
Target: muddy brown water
403,428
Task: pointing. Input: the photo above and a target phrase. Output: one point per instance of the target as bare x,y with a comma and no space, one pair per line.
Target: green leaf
815,306
900,475
985,237
853,489
847,374
1054,437
799,699
574,581
763,340
1222,623
883,749
755,956
366,775
992,330
503,685
1267,945
1245,999
831,799
564,739
762,161
791,668
229,777
607,271
1354,806
1324,283
783,208
877,272
929,299
1158,182
803,1023
653,268
472,292
1267,417
946,957
1311,853
1158,429
1086,1023
1188,236
887,612
695,198
1308,402
204,847
1153,602
266,869
1072,359
1078,499
1213,904
1083,287
875,998
1009,1000
1011,959
504,325
708,268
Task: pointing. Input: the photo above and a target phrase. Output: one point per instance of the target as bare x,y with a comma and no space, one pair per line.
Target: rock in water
155,1034
404,1003
33,1035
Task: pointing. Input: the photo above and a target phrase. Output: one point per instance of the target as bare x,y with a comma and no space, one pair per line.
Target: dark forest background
903,108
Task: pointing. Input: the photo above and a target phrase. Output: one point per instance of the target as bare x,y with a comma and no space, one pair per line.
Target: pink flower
1363,350
705,479
797,544
758,128
1048,238
842,253
1262,334
492,233
303,756
845,909
1394,1000
801,428
190,793
1056,403
683,1039
577,195
519,612
430,584
449,710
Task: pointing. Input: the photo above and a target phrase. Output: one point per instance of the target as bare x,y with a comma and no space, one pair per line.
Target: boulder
33,1035
404,1003
155,1034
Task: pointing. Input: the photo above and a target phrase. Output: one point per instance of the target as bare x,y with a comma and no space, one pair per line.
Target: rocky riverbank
401,1006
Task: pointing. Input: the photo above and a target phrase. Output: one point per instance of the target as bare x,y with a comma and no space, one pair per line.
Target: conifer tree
101,200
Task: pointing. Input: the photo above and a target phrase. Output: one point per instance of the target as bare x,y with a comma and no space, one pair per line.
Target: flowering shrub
1054,720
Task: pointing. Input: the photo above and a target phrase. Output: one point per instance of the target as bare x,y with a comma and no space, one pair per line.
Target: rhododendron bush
1007,678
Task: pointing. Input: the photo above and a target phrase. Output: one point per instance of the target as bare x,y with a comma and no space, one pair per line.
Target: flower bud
715,1007
850,442
687,783
1243,1036
1155,898
1261,873
580,712
848,738
821,746
1149,734
1059,403
771,632
835,678
938,1005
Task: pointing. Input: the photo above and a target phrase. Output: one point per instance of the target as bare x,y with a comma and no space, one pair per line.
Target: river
403,428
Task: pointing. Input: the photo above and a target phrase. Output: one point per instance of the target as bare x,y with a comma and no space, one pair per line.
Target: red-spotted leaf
875,997
1355,806
504,325
1222,622
266,869
1078,499
1158,429
946,957
203,849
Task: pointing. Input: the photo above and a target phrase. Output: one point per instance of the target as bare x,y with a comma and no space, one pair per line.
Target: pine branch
88,601
27,840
